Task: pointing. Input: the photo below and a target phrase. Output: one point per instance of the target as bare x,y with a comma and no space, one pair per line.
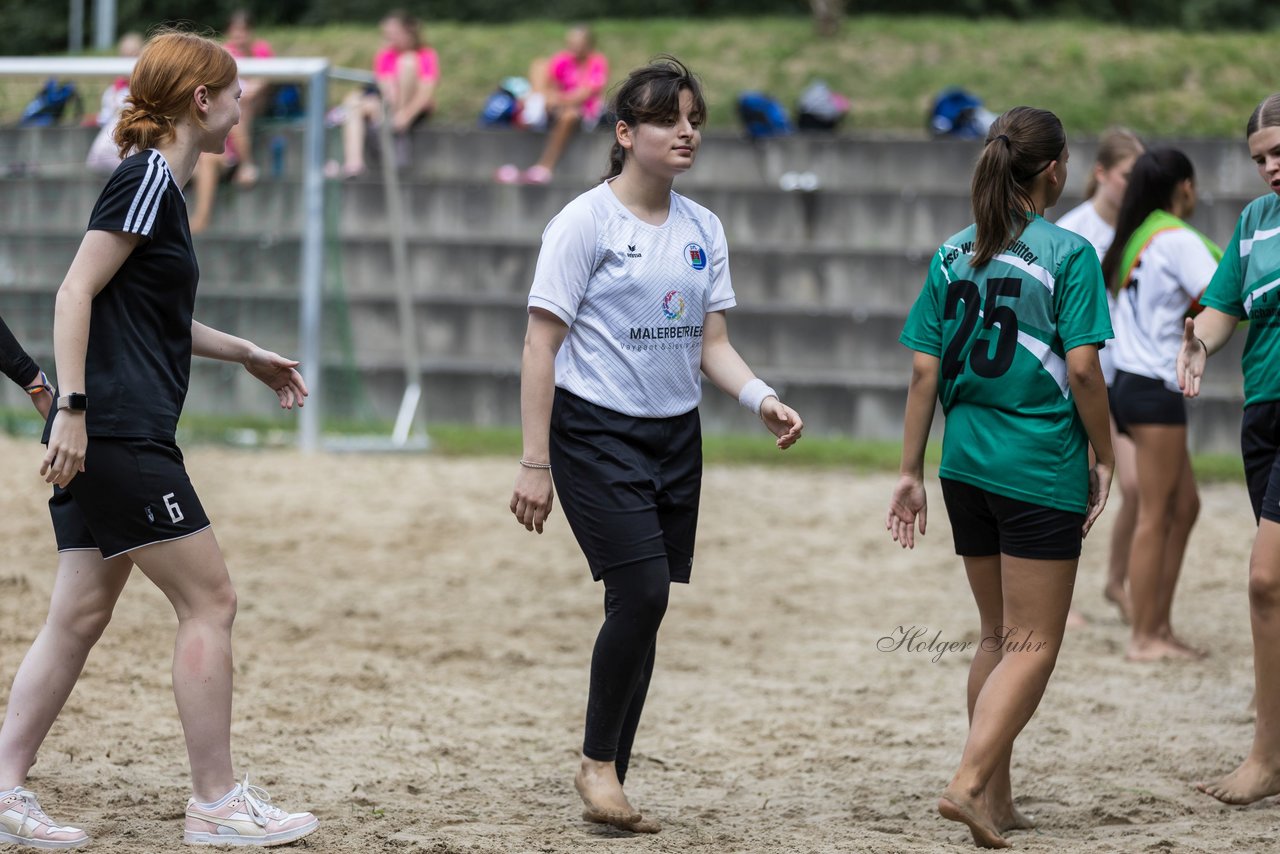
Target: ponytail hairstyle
411,25
1152,183
1267,115
1020,145
172,65
651,94
1117,145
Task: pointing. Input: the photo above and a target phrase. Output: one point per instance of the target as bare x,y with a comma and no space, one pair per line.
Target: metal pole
312,257
104,24
75,27
404,287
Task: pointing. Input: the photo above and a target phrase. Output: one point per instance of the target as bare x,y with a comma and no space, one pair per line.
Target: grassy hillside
1162,82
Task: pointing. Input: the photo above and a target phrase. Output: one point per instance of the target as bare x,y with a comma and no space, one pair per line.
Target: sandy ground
411,665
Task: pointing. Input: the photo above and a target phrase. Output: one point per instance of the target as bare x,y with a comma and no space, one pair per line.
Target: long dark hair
1267,115
1020,145
1155,177
651,94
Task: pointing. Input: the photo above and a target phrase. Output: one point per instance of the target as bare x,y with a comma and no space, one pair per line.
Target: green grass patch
465,440
1162,82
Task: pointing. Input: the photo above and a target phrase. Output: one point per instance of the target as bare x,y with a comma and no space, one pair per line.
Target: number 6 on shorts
175,512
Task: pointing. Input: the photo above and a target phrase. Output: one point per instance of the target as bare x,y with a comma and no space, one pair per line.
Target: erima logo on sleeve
631,251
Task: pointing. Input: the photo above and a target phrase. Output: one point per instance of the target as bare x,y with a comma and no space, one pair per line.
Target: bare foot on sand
954,806
1075,619
1194,651
602,795
1011,818
644,825
1118,596
1159,649
1251,782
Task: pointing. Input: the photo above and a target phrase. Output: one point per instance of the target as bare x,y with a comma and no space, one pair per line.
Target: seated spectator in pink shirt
408,71
237,161
568,91
104,154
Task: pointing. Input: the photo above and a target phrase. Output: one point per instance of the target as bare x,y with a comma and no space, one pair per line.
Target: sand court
411,665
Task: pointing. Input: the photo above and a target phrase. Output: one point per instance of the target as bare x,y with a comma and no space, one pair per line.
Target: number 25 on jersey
980,357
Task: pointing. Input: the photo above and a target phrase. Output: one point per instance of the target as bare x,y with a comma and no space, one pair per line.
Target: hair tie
1005,138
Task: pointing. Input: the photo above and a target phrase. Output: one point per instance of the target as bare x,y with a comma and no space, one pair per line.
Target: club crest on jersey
696,256
632,252
673,306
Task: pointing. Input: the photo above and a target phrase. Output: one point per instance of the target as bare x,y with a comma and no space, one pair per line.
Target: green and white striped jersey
1002,334
1247,285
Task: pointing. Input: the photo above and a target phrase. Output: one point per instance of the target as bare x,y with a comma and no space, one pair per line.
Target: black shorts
984,524
628,486
1260,446
1136,399
132,493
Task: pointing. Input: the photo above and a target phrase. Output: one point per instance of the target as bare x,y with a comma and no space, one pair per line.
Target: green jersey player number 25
984,364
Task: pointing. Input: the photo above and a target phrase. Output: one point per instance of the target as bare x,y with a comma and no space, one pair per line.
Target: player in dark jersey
123,339
1006,334
626,312
22,369
1247,287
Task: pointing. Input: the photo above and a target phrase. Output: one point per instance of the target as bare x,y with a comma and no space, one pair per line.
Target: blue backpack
959,113
47,107
762,116
499,109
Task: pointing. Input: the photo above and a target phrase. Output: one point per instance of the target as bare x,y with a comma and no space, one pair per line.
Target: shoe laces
259,804
31,808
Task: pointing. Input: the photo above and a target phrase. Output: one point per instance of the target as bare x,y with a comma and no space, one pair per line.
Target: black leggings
635,600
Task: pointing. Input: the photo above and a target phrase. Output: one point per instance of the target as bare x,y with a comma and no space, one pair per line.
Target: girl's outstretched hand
279,374
907,506
782,421
1191,358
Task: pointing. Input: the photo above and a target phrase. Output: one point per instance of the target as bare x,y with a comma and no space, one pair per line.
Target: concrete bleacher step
870,220
856,279
855,161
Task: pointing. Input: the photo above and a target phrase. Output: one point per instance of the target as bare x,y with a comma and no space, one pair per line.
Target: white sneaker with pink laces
22,822
245,816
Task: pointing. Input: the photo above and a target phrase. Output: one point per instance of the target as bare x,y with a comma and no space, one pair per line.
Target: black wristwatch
75,401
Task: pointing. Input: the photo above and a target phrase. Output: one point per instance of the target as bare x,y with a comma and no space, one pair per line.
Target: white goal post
315,72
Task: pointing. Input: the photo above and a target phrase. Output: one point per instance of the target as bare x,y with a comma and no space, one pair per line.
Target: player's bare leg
1123,524
193,576
84,594
1157,444
1036,596
1186,509
1258,776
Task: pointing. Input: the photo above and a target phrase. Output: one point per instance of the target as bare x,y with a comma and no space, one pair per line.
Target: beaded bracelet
531,465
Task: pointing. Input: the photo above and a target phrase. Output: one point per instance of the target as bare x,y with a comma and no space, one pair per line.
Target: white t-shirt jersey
1173,270
635,297
1083,219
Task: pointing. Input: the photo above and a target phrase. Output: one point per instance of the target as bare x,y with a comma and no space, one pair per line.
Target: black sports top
138,363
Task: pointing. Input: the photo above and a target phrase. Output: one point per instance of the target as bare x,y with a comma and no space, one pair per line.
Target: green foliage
1161,82
42,28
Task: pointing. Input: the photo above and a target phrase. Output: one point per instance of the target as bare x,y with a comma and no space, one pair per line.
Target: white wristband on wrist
753,394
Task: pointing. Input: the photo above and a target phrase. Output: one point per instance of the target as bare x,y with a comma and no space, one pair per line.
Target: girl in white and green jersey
1247,287
1006,333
